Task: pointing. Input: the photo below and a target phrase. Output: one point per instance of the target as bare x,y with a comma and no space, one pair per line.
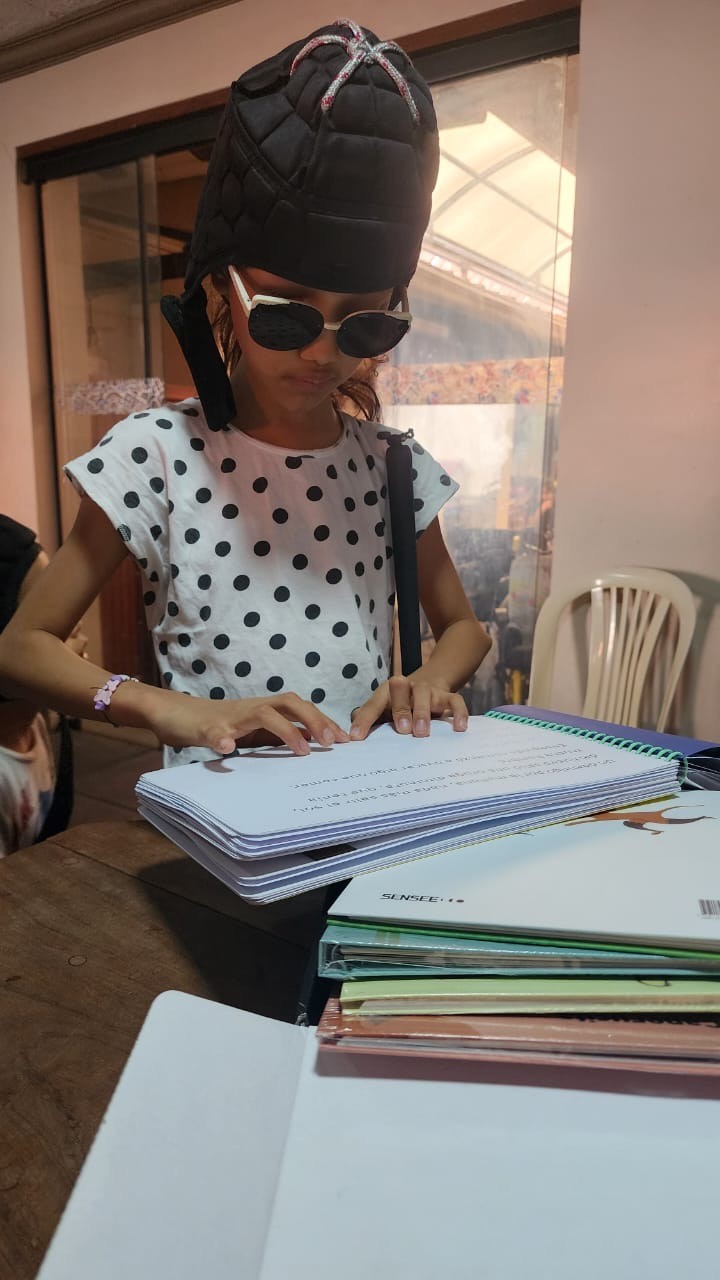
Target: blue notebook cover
703,757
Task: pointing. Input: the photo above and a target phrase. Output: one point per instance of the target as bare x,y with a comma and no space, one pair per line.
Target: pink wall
639,461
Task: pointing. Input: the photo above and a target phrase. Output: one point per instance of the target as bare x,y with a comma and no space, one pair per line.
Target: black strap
402,523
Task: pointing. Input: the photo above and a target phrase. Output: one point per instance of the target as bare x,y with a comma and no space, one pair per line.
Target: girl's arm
36,664
461,643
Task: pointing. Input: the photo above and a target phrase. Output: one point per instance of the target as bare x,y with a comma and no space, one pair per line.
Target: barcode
709,906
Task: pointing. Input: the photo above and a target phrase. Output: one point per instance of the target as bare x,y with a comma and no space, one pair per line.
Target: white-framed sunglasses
281,324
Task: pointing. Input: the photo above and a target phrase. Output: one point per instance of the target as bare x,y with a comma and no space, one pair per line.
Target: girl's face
299,380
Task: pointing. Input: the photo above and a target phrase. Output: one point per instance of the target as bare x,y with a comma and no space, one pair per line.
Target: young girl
258,512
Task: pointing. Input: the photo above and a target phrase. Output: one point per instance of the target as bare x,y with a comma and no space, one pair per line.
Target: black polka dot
322,533
317,695
370,498
388,552
300,562
243,669
163,647
359,569
352,465
221,642
280,515
371,606
167,677
230,511
278,641
139,455
141,415
370,462
333,576
275,683
157,484
378,562
203,495
165,423
131,499
262,548
349,504
149,598
197,444
204,581
142,561
192,535
242,582
174,570
358,601
352,537
155,532
222,549
171,506
379,662
184,639
173,609
374,684
293,463
105,441
383,490
330,472
227,465
251,619
312,659
417,448
350,671
281,594
380,528
445,480
260,485
205,612
391,599
375,633
418,504
217,692
312,611
340,629
124,532
190,412
180,467
314,493
198,666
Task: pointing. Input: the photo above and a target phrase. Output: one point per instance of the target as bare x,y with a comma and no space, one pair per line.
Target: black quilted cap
335,198
322,172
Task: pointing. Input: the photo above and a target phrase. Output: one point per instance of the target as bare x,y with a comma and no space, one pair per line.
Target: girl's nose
323,349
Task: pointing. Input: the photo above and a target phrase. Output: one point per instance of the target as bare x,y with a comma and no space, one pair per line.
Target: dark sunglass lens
284,328
370,333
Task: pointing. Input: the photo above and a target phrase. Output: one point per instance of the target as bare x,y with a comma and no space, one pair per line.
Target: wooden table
93,925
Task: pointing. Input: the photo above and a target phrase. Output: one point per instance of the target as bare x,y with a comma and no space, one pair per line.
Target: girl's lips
309,382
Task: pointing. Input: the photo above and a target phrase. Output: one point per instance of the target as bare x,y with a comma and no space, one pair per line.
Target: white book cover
233,1150
648,874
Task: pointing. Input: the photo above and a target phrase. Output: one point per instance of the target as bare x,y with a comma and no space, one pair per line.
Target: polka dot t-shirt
265,569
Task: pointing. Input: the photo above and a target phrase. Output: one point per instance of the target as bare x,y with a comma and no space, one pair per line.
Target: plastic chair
628,608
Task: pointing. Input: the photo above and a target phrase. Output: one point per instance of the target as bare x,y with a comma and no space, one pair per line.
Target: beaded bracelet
105,693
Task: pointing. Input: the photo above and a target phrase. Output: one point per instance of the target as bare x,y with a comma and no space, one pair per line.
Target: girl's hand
410,702
181,721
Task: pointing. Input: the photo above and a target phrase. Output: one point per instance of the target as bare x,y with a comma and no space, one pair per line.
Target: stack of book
588,942
270,824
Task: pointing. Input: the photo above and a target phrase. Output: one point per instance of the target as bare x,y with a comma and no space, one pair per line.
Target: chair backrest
628,607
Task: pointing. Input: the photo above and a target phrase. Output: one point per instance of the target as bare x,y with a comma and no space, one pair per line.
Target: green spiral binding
594,735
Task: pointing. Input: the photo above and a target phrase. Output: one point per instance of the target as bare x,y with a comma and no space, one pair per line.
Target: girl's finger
456,706
422,697
289,733
401,703
369,713
322,728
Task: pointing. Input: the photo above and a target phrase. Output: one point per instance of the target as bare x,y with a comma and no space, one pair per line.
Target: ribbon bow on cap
360,51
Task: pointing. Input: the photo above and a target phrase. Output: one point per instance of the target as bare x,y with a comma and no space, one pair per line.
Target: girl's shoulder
161,425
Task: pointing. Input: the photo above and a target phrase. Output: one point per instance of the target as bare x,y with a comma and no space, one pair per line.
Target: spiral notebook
270,824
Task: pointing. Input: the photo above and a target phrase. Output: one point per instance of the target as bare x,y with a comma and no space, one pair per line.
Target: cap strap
360,51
